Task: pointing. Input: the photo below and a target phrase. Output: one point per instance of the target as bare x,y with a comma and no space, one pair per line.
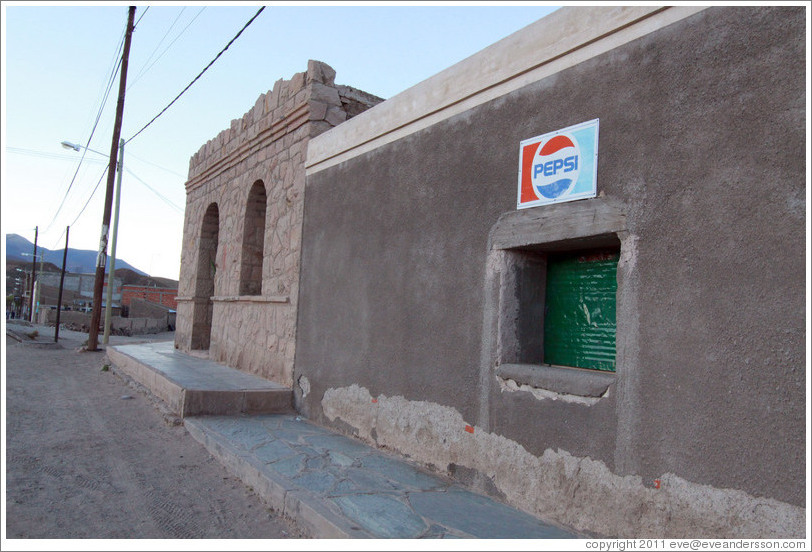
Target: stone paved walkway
332,485
335,486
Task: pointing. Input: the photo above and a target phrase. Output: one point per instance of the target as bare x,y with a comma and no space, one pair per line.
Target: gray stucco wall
702,145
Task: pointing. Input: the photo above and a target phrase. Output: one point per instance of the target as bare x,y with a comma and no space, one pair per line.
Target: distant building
81,284
160,296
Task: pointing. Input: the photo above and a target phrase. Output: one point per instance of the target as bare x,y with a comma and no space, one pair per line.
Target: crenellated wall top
308,97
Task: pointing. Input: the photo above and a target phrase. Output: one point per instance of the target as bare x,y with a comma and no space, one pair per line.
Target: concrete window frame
518,245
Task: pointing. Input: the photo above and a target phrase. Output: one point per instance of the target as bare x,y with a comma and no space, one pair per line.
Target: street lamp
112,271
78,147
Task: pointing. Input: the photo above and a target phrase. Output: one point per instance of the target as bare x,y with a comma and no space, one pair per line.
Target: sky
57,63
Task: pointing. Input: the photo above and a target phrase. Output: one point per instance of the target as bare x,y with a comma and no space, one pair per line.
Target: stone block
318,127
272,99
335,116
297,82
298,99
259,106
318,111
318,71
212,403
324,94
264,402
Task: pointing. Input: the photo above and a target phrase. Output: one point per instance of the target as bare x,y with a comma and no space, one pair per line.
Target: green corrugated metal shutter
579,320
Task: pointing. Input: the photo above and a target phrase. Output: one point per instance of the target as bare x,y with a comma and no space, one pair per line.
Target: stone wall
267,146
80,321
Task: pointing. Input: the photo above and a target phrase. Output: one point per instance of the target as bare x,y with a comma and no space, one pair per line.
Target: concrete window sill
569,381
182,299
251,299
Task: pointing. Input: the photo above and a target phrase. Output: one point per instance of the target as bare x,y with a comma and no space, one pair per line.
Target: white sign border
583,195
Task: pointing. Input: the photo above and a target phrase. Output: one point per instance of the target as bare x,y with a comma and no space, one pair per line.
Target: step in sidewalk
193,386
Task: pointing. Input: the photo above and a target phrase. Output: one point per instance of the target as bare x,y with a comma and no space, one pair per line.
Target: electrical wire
143,72
130,154
91,195
47,154
59,239
140,18
153,190
143,67
118,59
198,76
110,82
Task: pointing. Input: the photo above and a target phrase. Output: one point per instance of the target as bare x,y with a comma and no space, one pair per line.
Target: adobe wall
256,332
142,308
411,219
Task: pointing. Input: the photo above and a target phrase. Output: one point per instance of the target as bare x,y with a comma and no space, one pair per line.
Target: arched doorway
204,279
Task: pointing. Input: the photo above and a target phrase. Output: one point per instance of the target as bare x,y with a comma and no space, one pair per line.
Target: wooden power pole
101,260
33,277
61,285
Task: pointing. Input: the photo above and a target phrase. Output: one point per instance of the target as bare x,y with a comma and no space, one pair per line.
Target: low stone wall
80,321
141,308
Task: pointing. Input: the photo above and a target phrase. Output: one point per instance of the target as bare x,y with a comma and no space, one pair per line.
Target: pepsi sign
558,166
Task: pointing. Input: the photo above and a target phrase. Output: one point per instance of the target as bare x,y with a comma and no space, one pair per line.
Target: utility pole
101,260
33,276
40,284
111,274
61,285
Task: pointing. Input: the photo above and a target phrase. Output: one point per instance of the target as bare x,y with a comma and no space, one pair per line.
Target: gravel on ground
88,455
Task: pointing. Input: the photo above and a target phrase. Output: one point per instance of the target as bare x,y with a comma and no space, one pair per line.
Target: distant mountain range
81,261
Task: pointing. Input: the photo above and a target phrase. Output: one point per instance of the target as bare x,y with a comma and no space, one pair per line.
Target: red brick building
162,296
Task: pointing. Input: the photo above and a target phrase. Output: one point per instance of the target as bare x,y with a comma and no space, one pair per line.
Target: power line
91,195
140,18
144,71
46,154
156,192
198,76
59,239
112,70
129,154
117,61
92,132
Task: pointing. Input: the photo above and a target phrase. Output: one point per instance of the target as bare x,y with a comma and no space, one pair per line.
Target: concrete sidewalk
333,486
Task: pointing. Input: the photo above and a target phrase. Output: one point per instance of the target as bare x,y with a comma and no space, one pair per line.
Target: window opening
204,285
253,243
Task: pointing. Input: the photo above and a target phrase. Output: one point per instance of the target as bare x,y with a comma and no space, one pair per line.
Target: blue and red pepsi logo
558,166
555,167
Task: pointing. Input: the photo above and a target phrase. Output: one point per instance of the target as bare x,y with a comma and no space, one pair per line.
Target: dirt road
89,456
